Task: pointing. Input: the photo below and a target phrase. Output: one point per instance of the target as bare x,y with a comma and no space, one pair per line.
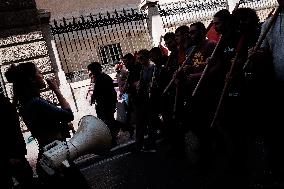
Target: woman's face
39,80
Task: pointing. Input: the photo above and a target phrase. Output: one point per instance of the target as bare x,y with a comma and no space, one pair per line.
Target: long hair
22,77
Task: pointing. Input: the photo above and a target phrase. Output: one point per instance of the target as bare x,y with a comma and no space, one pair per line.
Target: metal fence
262,7
102,37
186,12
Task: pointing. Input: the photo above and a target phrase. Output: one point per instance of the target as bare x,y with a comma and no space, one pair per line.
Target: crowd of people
224,92
228,93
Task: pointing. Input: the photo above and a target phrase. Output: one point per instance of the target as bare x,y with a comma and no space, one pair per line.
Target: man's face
93,73
171,44
218,25
179,38
195,34
154,57
129,63
142,60
126,63
246,25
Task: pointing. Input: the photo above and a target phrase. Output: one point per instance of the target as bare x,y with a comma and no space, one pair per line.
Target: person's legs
140,128
142,121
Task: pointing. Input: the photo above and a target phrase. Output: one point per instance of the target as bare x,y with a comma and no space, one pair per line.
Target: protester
104,97
143,108
231,111
268,63
46,121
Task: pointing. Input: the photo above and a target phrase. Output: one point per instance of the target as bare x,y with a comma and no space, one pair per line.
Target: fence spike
108,15
64,21
100,16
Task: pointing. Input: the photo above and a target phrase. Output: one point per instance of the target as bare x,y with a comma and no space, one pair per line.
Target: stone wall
23,40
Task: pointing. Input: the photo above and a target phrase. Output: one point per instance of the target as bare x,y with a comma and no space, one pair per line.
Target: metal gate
103,38
186,12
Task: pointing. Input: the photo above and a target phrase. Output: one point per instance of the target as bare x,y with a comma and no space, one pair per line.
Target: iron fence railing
100,37
263,7
185,12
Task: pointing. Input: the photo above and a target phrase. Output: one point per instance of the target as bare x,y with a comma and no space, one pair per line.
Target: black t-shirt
104,93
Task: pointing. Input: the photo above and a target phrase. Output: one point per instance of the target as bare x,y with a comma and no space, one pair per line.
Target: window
110,53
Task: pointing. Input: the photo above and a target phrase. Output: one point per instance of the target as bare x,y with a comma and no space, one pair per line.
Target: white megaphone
92,136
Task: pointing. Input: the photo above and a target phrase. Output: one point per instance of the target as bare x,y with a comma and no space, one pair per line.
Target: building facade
63,37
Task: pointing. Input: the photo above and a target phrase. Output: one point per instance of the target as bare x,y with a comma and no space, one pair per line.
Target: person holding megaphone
44,119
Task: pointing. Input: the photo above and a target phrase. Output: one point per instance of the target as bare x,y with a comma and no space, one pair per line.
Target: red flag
164,50
212,34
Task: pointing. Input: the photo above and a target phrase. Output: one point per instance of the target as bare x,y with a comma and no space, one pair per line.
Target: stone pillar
155,23
46,33
55,60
